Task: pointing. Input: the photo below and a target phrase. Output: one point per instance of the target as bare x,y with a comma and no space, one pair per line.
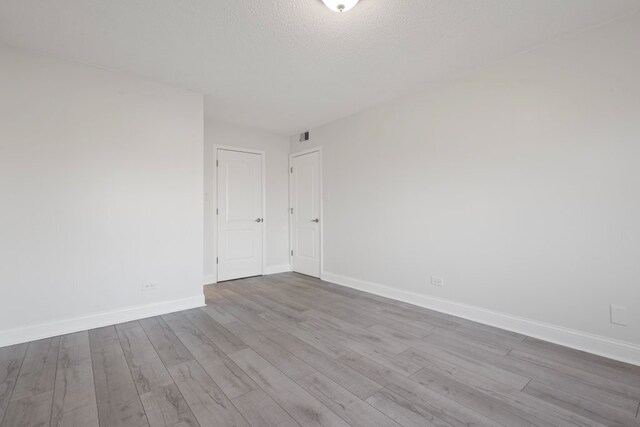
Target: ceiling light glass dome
340,5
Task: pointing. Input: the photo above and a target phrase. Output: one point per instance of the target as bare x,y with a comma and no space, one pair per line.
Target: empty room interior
332,213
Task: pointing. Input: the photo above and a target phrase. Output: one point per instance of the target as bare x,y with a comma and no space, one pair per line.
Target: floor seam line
95,389
55,380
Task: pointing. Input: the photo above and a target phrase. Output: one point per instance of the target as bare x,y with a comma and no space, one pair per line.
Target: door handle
315,220
259,220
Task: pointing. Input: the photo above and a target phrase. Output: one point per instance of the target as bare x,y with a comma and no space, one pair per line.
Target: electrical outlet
437,281
619,315
149,286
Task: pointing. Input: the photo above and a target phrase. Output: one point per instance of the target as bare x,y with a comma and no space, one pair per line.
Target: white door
305,214
239,214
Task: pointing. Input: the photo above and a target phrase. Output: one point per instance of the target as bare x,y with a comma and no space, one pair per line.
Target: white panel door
305,214
239,211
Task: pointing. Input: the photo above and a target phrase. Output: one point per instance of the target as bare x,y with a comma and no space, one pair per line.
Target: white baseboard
210,279
275,269
97,320
596,344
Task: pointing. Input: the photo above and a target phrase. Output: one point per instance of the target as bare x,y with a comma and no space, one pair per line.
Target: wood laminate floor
289,350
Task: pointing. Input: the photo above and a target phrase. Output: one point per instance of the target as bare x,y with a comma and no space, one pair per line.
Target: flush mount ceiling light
340,5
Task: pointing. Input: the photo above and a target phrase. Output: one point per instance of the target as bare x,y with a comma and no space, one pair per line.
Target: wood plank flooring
289,350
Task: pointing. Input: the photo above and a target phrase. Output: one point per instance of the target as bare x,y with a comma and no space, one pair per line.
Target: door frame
216,148
320,189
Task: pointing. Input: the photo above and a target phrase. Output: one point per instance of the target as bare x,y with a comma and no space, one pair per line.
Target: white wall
100,191
276,148
518,184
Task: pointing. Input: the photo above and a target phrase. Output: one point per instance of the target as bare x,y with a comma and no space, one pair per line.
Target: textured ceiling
290,65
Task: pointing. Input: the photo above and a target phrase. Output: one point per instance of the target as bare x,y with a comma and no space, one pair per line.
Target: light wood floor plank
458,366
208,403
166,407
167,345
626,383
163,403
577,357
242,313
555,375
303,407
10,362
118,400
147,369
348,378
29,411
216,313
274,306
226,374
32,398
593,410
478,399
440,406
282,359
223,339
310,336
404,412
38,371
345,331
348,406
260,410
573,381
74,397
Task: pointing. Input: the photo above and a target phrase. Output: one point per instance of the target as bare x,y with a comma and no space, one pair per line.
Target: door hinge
217,211
291,252
291,211
217,163
291,170
216,260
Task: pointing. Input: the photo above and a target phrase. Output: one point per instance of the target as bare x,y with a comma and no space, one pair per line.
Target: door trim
320,189
217,148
